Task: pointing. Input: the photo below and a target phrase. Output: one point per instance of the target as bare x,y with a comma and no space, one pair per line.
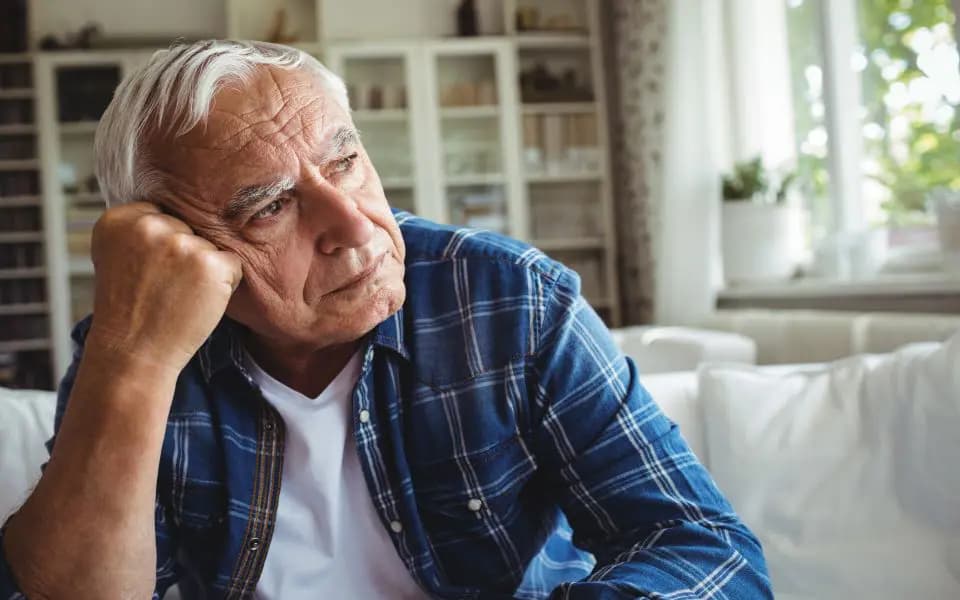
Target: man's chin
349,320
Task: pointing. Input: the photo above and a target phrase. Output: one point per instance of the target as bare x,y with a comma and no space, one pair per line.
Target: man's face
279,177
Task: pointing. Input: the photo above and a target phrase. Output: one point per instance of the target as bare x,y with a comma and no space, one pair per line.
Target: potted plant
762,234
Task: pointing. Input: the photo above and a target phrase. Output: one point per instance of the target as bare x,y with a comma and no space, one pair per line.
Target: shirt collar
224,347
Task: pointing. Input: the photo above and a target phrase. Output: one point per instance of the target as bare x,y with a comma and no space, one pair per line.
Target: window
907,58
876,113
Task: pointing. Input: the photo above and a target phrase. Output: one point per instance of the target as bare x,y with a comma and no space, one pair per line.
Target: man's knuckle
149,227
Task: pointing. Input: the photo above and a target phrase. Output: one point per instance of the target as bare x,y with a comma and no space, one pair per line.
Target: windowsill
920,284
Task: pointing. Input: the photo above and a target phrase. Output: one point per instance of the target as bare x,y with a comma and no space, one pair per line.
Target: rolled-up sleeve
634,493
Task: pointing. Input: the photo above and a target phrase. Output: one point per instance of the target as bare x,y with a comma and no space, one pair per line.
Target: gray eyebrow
344,137
249,197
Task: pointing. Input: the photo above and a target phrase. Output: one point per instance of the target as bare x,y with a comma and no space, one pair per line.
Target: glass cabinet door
378,86
471,88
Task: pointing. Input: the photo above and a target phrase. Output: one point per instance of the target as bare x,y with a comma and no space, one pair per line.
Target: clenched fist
160,289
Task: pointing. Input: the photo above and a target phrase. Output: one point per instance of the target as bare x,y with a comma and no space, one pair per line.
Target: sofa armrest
669,349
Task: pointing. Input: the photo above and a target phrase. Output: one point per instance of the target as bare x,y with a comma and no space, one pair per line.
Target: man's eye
269,210
345,164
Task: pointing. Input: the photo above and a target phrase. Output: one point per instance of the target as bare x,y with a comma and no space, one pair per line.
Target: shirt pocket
471,507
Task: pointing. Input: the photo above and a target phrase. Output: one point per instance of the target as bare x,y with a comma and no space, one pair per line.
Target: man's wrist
104,359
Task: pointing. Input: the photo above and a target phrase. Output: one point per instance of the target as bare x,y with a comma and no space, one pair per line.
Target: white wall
189,18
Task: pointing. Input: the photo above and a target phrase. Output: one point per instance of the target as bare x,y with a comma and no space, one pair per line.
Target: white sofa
846,471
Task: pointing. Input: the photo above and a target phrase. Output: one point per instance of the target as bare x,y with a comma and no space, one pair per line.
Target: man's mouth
364,275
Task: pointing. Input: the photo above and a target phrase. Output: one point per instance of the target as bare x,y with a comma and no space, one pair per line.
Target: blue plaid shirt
495,383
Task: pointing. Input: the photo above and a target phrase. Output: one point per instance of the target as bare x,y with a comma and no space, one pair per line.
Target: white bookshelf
25,336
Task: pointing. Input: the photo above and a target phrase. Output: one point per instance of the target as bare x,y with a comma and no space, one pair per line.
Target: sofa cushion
26,423
847,472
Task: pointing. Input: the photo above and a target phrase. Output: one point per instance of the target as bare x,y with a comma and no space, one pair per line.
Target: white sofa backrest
807,336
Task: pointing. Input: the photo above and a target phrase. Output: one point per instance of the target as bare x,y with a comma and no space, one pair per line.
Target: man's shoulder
429,243
476,300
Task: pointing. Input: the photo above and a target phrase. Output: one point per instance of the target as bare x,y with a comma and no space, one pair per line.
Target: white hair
170,95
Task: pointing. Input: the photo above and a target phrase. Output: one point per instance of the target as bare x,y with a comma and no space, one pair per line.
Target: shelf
11,201
32,308
18,129
81,266
23,273
470,112
78,127
83,197
584,243
17,237
559,108
478,179
16,93
28,164
15,58
563,177
24,345
389,115
396,183
551,40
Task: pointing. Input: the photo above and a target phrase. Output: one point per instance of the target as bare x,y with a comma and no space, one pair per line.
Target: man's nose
337,219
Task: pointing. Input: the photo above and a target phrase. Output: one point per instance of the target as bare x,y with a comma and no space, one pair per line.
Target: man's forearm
87,530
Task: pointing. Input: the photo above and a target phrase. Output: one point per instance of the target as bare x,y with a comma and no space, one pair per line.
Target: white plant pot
761,242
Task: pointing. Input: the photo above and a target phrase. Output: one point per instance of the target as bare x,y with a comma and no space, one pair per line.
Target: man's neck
307,372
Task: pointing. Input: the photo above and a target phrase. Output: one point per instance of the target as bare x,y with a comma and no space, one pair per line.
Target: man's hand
88,530
160,288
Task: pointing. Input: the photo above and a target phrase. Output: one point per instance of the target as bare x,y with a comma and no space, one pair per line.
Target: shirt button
364,416
253,545
474,505
396,526
268,426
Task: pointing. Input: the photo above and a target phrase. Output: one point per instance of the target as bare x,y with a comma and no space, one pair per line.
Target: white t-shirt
328,541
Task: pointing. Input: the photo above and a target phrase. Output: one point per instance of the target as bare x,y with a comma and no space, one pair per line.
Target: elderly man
288,391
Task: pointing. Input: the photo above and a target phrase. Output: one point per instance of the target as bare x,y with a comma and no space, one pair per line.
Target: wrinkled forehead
271,104
258,130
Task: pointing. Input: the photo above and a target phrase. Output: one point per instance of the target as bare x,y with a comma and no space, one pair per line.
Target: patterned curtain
634,34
